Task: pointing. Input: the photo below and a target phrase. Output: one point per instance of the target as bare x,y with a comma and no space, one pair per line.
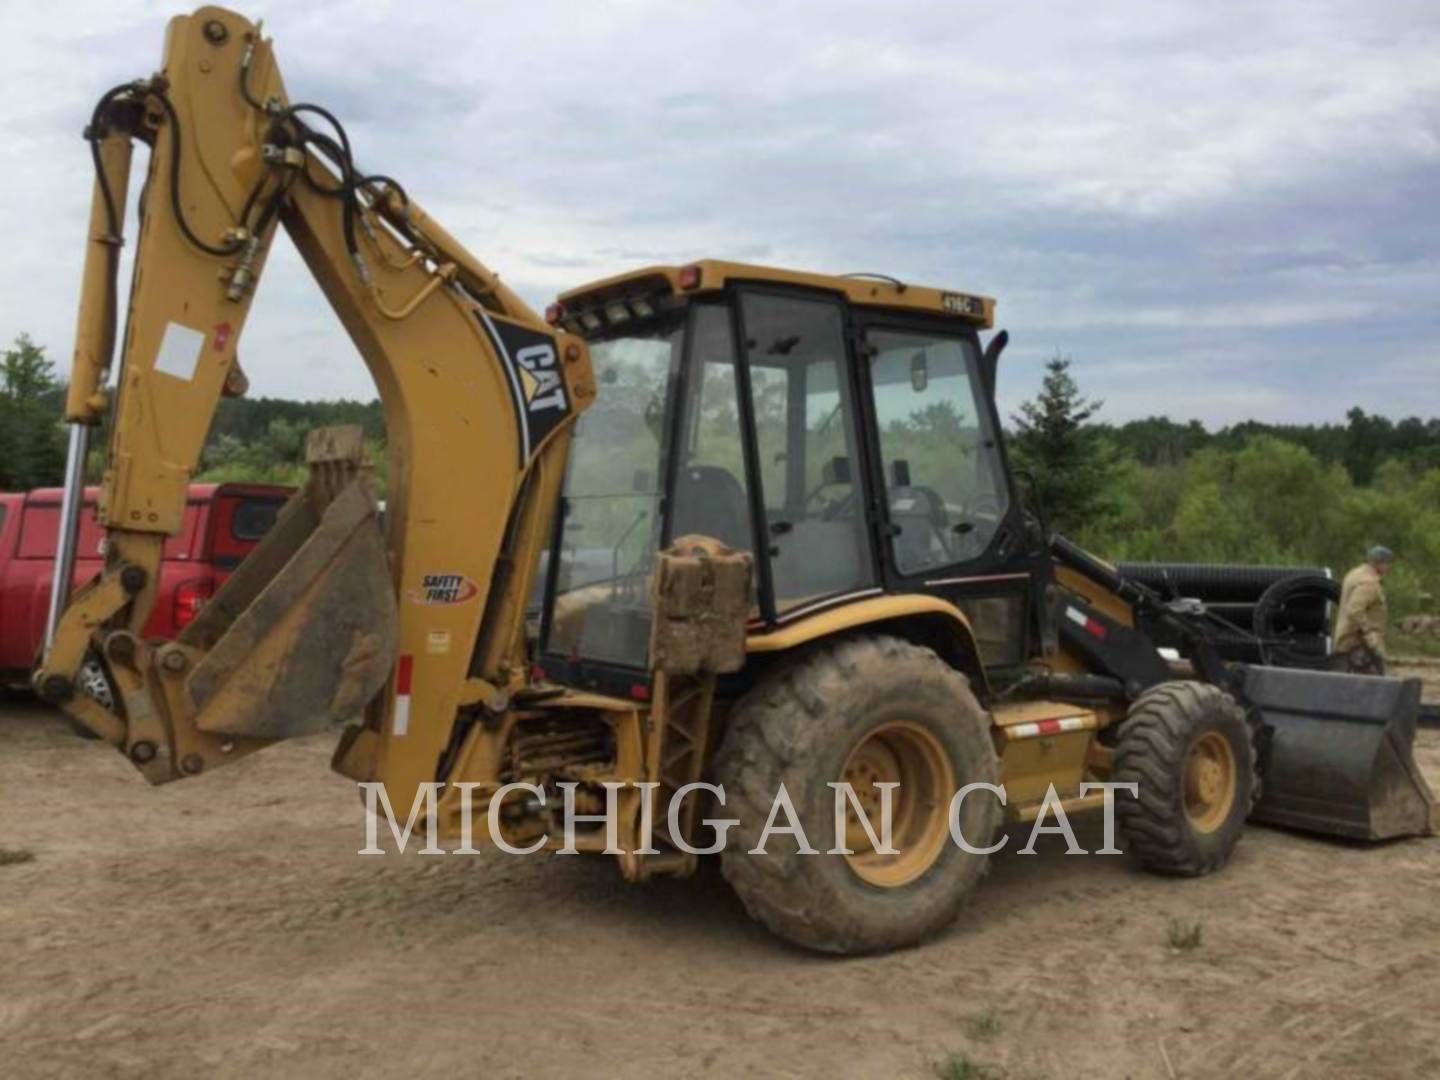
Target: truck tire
92,681
865,710
1190,749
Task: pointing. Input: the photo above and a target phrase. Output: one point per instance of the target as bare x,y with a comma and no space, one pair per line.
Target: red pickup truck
223,522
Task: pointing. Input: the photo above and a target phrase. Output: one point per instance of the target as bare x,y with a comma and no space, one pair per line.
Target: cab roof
669,283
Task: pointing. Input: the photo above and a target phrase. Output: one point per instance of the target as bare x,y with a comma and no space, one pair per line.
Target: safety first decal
404,672
444,589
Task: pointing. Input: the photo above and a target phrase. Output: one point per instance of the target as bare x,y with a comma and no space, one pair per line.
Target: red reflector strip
404,673
1054,726
1092,626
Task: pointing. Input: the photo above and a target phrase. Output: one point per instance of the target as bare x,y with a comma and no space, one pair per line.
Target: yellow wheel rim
1209,782
903,753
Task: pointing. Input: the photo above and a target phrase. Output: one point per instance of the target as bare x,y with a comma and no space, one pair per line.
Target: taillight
689,277
190,597
554,313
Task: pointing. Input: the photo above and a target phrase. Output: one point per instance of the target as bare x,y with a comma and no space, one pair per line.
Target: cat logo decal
531,365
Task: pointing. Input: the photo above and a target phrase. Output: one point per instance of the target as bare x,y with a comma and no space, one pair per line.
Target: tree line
1314,494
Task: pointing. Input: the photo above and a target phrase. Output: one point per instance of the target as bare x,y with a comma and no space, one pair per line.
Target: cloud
1219,211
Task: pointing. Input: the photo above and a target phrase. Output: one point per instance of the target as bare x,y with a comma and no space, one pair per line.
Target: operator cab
841,429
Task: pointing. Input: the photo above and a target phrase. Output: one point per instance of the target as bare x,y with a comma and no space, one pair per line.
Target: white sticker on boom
180,351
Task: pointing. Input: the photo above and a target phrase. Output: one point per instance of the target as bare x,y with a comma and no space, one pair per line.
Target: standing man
1360,630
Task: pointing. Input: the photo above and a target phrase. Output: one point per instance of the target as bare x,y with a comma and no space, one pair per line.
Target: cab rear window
253,517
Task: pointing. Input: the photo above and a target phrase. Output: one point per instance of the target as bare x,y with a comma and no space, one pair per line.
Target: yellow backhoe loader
781,547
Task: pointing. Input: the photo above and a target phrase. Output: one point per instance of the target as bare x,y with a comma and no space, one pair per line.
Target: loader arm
325,620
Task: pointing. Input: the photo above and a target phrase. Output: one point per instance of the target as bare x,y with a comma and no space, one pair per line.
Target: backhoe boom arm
325,620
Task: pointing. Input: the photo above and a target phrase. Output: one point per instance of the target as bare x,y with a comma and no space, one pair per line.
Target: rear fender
918,617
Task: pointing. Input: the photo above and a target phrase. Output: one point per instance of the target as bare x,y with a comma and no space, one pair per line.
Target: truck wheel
1189,748
92,681
867,711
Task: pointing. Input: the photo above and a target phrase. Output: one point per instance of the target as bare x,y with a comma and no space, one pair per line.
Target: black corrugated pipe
1213,582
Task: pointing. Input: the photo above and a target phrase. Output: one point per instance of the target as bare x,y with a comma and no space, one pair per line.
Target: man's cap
1380,553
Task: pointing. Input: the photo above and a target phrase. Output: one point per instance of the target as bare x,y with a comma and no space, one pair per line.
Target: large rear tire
865,710
1190,749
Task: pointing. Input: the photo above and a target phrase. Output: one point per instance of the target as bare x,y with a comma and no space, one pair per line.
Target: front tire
866,710
1189,748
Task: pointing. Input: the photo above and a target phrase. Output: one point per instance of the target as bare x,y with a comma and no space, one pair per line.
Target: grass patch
960,1066
985,1024
14,856
1184,935
1399,645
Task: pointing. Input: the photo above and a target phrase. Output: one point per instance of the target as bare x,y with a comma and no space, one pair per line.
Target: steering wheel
832,508
986,506
838,507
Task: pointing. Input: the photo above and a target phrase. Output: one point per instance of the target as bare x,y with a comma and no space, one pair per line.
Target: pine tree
1073,465
32,441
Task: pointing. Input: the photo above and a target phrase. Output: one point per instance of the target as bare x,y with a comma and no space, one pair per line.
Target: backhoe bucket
303,634
1337,754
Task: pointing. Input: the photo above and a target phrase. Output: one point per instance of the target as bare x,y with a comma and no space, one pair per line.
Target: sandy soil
225,926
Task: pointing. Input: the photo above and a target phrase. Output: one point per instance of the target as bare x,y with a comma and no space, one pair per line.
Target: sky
1218,211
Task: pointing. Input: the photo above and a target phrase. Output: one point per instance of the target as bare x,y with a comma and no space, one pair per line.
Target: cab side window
943,483
710,497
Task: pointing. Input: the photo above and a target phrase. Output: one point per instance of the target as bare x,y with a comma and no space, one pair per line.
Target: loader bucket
1336,754
303,634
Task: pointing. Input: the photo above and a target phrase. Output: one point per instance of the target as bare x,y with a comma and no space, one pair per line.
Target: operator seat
711,502
920,515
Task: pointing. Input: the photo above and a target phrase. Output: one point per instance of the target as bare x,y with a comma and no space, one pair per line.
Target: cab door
814,541
949,521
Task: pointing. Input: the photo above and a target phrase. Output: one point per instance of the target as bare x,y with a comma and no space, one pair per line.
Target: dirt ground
225,926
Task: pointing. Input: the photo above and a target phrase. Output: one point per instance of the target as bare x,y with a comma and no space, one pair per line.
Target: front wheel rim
1209,782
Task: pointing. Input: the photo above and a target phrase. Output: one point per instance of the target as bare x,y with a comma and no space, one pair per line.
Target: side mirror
836,471
919,372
